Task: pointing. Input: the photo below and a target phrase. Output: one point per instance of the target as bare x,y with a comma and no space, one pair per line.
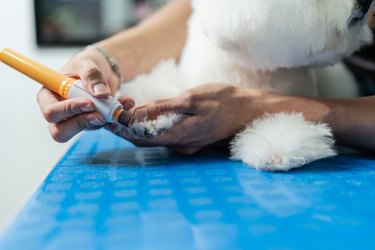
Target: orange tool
64,86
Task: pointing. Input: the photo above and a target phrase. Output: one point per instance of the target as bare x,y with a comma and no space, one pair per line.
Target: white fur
336,81
265,44
153,128
280,33
268,144
164,81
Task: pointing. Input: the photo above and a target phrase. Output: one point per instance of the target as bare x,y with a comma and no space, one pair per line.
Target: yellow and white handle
109,107
62,85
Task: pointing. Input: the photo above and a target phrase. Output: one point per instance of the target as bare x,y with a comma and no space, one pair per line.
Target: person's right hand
68,117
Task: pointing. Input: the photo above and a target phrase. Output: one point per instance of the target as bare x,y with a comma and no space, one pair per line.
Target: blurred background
49,31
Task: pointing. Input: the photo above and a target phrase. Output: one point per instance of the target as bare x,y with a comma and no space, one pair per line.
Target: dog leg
162,82
151,128
280,142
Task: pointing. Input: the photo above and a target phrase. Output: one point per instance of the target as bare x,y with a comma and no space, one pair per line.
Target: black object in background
83,22
362,64
60,22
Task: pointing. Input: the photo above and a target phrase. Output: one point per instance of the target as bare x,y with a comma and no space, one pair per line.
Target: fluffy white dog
275,45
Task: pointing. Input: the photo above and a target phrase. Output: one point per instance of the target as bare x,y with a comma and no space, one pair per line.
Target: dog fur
282,46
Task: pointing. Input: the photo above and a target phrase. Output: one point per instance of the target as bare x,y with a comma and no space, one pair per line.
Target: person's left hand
211,113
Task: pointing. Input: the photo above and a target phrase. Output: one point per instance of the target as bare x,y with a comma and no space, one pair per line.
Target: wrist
262,102
125,49
313,109
254,103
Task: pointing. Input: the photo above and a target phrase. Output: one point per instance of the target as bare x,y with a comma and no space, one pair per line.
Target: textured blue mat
106,194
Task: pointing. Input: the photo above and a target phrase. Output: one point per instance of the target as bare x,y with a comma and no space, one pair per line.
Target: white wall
27,153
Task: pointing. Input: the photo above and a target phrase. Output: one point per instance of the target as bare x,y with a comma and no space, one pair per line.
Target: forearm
352,120
159,37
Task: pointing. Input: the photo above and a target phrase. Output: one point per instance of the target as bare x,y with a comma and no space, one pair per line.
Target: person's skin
136,50
212,112
215,112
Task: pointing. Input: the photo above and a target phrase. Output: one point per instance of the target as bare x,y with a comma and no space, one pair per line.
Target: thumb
93,80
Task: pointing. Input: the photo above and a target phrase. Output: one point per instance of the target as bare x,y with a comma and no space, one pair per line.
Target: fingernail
100,89
86,108
141,114
96,122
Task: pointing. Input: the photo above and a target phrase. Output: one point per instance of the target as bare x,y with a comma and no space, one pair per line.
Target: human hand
211,113
68,117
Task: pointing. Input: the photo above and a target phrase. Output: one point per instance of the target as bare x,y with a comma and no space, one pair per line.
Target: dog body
272,45
201,62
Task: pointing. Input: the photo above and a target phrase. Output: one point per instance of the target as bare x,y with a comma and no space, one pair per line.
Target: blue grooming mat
107,194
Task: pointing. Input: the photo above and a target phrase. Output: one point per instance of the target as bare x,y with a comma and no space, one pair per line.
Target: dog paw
280,142
152,128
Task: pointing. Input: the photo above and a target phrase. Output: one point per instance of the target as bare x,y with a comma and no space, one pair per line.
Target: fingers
56,111
173,138
119,130
125,133
144,142
94,72
127,102
67,117
153,110
46,97
65,130
93,79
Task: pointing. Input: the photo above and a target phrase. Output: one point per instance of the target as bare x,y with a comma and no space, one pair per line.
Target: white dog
274,45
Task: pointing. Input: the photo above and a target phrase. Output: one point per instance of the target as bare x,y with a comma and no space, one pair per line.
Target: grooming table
107,194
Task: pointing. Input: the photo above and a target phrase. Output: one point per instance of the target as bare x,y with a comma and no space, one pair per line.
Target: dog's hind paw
280,142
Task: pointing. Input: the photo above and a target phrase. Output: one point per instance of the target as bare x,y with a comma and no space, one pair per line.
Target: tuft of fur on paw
280,142
152,128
